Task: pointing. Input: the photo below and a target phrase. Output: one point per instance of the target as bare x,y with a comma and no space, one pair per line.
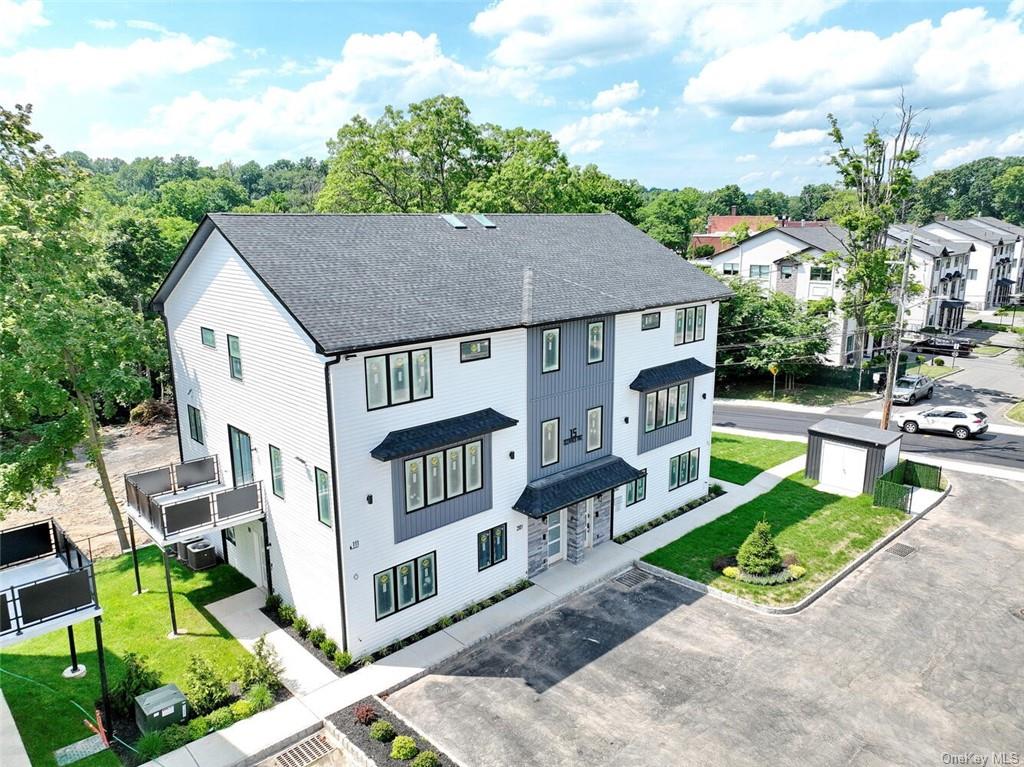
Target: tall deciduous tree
68,352
1009,189
669,217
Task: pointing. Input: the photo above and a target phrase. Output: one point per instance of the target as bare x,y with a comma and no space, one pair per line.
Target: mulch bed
359,734
311,648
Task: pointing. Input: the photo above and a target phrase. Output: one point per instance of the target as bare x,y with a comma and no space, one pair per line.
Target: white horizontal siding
281,400
368,529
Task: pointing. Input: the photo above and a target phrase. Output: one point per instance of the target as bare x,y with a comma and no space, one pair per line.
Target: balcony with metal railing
46,582
180,501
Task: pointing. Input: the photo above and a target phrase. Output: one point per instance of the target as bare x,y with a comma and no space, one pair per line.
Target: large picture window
195,424
394,379
549,442
551,350
235,357
276,471
594,426
491,547
595,342
443,475
404,585
683,469
690,324
665,407
323,496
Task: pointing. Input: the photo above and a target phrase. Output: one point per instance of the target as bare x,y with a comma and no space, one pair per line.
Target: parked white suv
909,389
961,422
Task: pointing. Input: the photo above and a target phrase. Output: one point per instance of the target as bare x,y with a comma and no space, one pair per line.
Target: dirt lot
79,505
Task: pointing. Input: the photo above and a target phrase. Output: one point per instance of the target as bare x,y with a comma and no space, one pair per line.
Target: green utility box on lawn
160,708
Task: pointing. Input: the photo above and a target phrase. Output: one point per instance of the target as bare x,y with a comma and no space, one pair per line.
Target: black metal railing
142,486
217,509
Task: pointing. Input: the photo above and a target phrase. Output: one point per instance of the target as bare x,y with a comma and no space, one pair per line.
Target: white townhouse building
386,418
994,272
940,267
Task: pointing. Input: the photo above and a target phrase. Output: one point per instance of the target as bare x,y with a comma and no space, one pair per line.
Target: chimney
732,210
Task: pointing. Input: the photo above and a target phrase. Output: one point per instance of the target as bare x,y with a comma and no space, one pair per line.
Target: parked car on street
961,422
944,345
909,389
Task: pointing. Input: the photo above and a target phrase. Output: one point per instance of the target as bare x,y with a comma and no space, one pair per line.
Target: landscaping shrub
273,603
759,555
301,625
425,759
366,714
138,678
731,572
317,636
785,575
328,647
260,698
203,686
342,660
221,718
286,614
720,563
403,748
382,730
176,736
797,571
150,746
938,362
198,727
263,667
242,709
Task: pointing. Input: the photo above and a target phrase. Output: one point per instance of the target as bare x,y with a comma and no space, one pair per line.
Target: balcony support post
266,554
101,664
224,543
170,592
135,556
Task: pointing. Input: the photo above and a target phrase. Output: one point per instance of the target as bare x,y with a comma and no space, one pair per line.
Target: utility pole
894,351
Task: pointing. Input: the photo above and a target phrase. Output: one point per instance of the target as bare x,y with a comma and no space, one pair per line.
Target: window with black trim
276,471
195,424
683,469
404,585
394,379
690,324
549,442
323,496
209,337
443,475
470,351
595,342
636,490
595,417
491,548
665,407
551,350
650,321
235,357
821,273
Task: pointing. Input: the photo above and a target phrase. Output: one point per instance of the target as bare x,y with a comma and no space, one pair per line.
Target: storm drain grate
305,752
901,550
633,578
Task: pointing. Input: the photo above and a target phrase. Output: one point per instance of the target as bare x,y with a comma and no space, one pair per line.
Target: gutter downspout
334,499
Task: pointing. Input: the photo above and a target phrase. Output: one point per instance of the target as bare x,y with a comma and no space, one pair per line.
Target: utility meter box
160,708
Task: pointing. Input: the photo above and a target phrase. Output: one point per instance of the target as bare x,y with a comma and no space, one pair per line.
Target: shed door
843,466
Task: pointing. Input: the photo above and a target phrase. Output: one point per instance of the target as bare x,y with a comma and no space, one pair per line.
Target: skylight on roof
485,222
455,221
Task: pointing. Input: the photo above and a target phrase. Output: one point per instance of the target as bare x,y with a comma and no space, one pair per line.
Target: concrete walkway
12,750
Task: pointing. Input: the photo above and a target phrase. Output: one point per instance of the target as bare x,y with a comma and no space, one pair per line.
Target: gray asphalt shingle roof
366,281
976,230
830,427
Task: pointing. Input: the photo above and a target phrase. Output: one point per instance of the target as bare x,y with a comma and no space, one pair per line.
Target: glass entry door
556,525
241,456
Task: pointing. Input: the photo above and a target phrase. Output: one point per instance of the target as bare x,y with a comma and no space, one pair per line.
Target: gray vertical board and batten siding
649,440
409,525
874,465
567,394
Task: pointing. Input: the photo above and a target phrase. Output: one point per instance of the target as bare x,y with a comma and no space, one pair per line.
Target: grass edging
668,516
808,600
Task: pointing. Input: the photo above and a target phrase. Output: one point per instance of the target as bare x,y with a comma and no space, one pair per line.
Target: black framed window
471,351
683,469
394,379
595,342
209,337
235,357
276,471
665,407
595,426
551,350
636,490
323,496
491,547
821,274
549,442
442,475
690,324
650,321
405,585
195,424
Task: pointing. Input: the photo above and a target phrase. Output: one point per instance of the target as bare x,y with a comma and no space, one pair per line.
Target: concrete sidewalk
12,750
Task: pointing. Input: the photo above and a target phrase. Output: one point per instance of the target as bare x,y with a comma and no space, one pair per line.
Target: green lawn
988,351
998,327
825,531
46,718
738,459
934,372
1016,413
802,394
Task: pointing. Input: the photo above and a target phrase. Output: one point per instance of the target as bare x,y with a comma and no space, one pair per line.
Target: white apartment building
994,272
940,267
420,410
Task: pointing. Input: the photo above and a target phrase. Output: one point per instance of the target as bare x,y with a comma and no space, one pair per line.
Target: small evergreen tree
759,555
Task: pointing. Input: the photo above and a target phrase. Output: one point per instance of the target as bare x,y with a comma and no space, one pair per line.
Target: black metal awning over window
1005,281
951,303
573,485
428,436
666,375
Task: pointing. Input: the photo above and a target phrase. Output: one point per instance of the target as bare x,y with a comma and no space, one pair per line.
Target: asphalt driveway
907,662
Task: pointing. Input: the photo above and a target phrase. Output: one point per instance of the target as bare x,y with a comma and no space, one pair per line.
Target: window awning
1004,281
668,374
951,303
572,485
422,439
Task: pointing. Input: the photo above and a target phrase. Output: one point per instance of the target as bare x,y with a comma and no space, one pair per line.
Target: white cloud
746,178
1016,9
244,76
149,26
806,137
972,150
590,133
596,32
617,95
102,23
746,158
19,19
1014,143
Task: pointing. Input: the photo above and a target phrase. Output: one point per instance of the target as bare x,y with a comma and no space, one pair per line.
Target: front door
241,456
556,539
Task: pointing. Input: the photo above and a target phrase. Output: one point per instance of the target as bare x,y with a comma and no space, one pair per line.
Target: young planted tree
68,352
759,555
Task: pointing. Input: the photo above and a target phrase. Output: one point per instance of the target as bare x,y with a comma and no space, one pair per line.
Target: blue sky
671,93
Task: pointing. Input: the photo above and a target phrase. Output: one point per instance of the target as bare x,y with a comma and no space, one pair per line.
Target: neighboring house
995,262
436,406
719,231
940,266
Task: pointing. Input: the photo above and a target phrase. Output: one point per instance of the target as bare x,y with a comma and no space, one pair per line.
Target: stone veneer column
603,517
576,534
536,546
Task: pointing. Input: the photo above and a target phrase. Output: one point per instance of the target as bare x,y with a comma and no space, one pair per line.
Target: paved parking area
908,660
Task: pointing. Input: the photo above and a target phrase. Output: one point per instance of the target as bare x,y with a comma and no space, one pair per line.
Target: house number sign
574,436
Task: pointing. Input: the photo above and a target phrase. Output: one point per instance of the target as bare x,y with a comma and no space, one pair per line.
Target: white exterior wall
980,261
458,388
635,350
281,400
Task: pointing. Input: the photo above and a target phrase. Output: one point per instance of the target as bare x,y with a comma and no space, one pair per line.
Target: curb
811,598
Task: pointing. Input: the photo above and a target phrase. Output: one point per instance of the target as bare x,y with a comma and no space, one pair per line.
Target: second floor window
821,274
594,419
235,357
209,337
650,321
690,324
760,271
276,471
323,496
443,475
733,268
666,406
394,379
195,424
549,442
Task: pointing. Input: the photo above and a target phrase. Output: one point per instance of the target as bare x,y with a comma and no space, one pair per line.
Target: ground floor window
405,584
490,547
636,490
683,469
